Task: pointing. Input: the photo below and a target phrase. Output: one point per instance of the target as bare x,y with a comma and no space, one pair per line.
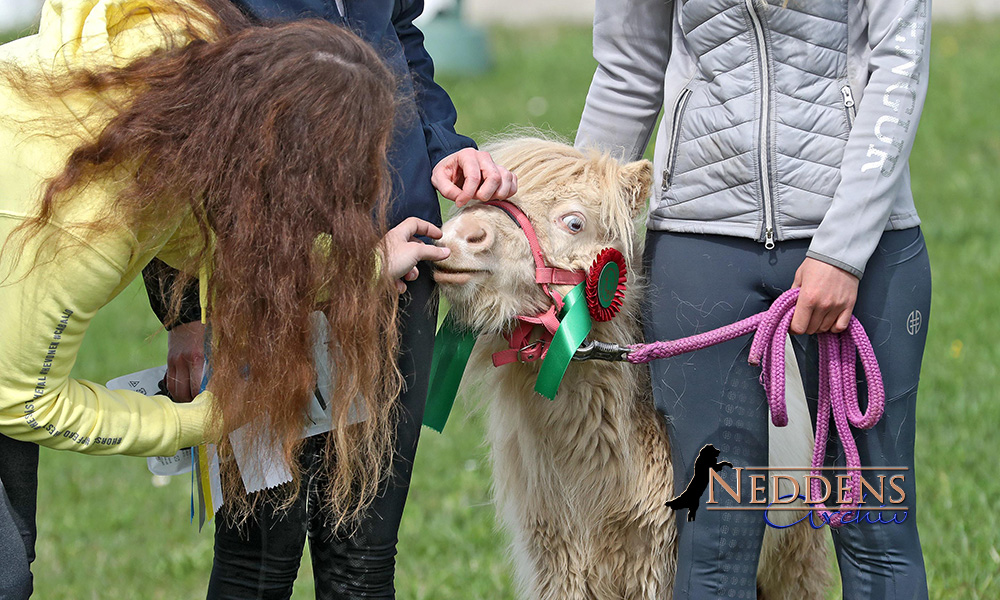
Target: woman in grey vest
781,161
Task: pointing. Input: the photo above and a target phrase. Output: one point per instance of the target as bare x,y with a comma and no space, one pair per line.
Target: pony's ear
636,179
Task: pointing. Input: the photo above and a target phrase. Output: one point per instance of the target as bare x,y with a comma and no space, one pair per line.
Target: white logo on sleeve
913,322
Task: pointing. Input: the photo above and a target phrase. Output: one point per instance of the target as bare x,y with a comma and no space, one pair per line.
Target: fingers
421,251
508,185
827,321
185,381
801,318
797,282
411,276
492,178
413,227
813,317
443,184
185,360
196,371
471,174
826,298
842,322
809,313
178,380
415,253
498,182
404,250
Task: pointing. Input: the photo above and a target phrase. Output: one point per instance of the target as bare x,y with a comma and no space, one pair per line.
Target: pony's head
578,202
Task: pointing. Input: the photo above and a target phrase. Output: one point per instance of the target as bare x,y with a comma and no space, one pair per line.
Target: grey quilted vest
778,122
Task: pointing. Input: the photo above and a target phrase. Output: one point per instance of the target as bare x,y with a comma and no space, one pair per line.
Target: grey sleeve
875,159
631,46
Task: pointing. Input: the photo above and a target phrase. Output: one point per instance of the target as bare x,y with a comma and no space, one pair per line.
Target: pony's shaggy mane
542,163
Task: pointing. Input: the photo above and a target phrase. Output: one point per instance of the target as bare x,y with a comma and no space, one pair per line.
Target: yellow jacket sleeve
47,307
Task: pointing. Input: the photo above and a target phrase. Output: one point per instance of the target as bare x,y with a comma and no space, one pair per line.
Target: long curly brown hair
274,138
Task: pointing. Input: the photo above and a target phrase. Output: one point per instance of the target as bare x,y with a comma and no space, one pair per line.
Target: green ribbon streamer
574,327
452,349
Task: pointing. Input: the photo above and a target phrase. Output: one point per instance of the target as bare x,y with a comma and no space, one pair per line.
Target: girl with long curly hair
250,157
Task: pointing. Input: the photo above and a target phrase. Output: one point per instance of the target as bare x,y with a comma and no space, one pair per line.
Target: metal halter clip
594,350
531,352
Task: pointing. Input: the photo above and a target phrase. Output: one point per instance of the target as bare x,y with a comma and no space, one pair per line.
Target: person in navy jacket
260,558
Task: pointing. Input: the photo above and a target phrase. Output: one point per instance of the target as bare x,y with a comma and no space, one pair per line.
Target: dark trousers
260,559
712,396
18,487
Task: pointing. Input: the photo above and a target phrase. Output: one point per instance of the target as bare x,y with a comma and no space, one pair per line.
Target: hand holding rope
838,392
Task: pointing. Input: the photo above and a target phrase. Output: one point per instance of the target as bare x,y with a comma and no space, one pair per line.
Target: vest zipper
675,139
849,105
765,119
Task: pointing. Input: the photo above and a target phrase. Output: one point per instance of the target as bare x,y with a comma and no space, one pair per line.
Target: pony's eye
573,222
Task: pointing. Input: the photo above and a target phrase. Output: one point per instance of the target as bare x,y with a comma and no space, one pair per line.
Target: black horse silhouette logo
691,496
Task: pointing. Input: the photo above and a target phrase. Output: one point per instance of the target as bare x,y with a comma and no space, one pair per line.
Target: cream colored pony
581,481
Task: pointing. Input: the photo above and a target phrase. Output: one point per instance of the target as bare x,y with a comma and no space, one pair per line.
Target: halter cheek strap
520,348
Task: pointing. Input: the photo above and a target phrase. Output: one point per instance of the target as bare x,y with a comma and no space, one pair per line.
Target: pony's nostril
475,234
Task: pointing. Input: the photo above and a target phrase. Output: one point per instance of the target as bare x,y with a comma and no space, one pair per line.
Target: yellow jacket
46,306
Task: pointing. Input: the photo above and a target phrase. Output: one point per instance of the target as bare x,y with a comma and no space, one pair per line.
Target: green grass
6,36
105,532
957,184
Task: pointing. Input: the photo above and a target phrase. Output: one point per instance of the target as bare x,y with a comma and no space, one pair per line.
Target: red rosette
605,287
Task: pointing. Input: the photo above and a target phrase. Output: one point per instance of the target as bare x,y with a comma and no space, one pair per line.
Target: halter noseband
520,348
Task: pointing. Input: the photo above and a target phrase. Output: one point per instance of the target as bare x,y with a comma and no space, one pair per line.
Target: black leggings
18,487
261,558
700,282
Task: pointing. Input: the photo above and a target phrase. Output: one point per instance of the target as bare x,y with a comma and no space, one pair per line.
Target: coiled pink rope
838,391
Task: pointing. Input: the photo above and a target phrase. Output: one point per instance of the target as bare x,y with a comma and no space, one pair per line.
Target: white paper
214,479
147,383
261,463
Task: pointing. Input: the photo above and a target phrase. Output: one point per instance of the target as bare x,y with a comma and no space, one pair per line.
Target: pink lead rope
838,391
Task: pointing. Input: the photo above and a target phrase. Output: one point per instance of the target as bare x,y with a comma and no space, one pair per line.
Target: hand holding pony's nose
404,249
471,174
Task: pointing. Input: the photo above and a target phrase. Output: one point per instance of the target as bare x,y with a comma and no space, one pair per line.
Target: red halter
520,349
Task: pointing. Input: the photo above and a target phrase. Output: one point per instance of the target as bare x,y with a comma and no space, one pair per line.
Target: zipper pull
848,96
849,105
665,181
769,238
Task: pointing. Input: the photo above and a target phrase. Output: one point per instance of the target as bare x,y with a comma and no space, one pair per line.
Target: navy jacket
418,144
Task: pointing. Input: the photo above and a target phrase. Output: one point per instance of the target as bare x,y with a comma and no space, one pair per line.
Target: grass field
106,532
